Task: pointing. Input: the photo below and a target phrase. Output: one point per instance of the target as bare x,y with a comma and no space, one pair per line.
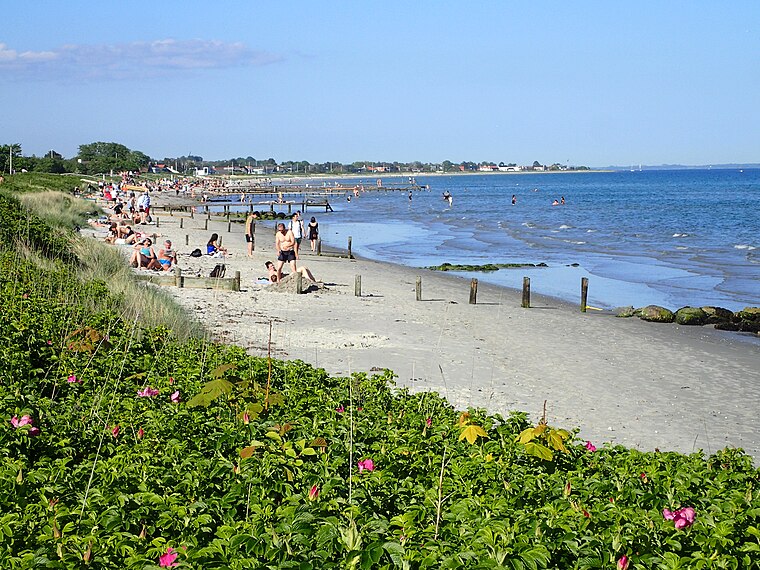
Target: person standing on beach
296,226
284,245
313,233
249,221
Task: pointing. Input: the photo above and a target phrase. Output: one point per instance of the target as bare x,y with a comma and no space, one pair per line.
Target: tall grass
98,261
59,209
148,304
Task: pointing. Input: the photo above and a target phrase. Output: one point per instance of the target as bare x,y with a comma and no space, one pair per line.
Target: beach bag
196,253
218,271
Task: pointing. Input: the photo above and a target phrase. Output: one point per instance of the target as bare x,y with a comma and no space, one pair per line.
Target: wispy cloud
129,60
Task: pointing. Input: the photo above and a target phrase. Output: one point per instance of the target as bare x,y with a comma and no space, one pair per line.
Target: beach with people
622,381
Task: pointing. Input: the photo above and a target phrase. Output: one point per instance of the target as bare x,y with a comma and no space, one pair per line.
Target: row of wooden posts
525,302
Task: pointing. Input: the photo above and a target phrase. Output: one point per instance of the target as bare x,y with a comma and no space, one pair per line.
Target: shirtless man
284,245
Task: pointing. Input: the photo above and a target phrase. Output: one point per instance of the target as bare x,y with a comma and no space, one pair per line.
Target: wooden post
178,279
192,212
157,222
236,284
220,240
473,291
229,225
319,246
187,239
526,293
299,283
584,293
350,255
205,224
208,213
181,223
418,288
358,286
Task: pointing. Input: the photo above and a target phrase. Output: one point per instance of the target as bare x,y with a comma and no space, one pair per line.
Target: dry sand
624,381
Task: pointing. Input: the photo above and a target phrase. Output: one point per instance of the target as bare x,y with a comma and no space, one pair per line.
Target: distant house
488,168
202,171
510,168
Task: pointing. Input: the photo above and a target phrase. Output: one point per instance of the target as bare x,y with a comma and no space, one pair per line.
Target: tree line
108,157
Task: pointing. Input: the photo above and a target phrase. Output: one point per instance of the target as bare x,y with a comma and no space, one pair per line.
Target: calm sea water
673,238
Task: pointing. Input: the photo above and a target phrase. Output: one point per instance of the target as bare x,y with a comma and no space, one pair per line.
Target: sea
673,238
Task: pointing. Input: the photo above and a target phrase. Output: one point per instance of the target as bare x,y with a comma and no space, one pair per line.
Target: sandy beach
623,381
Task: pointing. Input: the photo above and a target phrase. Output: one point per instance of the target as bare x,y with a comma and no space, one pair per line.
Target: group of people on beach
144,255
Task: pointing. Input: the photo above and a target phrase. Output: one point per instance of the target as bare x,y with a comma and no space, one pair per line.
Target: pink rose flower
25,420
147,392
174,397
622,563
313,493
682,518
167,560
590,446
366,465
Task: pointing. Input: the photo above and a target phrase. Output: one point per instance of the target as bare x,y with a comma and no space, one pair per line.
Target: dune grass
96,261
59,209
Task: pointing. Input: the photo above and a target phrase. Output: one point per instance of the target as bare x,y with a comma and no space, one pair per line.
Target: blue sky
592,83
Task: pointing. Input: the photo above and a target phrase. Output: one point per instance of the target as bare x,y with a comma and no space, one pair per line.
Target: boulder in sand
717,315
656,314
691,316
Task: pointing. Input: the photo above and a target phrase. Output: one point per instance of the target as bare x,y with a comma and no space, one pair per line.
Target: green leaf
538,450
219,371
210,392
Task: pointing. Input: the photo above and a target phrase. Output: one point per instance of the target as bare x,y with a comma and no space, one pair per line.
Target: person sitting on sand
167,256
213,247
144,256
303,270
113,233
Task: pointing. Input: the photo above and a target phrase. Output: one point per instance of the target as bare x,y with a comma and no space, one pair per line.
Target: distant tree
536,164
447,165
54,164
6,153
101,157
